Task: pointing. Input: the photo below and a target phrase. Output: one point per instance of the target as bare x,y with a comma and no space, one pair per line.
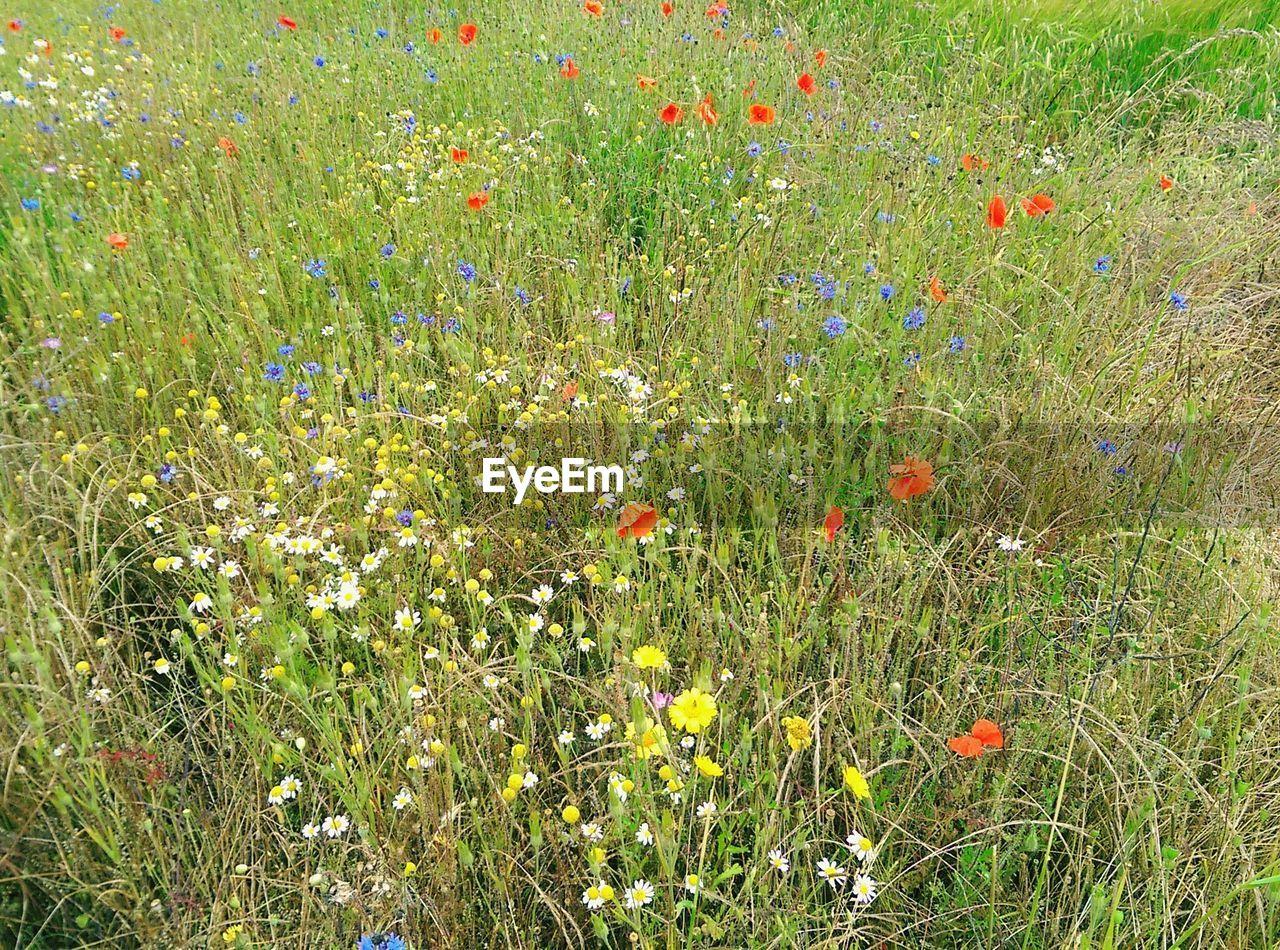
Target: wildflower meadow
646,474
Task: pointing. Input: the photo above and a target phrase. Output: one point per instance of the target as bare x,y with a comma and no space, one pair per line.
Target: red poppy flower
760,114
467,34
971,163
569,70
671,114
645,82
1037,205
716,10
593,7
668,9
749,89
806,84
912,477
988,733
229,147
936,290
477,200
1166,183
706,113
459,155
967,746
15,26
117,34
820,57
118,241
433,36
289,23
985,734
833,522
637,520
996,212
570,390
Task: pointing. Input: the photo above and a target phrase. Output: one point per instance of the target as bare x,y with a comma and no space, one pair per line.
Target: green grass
1128,652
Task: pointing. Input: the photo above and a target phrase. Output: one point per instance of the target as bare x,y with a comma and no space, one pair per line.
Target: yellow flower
571,814
854,781
647,739
707,767
693,710
648,657
799,732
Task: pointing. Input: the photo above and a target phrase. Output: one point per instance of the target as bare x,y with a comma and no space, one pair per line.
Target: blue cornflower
129,173
958,344
316,267
310,368
240,118
451,326
911,359
792,360
884,217
387,249
319,60
1107,447
105,317
754,149
374,283
301,391
868,268
1178,300
1102,265
914,319
380,941
522,295
834,326
466,271
765,323
887,292
273,372
284,349
399,319
30,204
381,33
168,472
405,518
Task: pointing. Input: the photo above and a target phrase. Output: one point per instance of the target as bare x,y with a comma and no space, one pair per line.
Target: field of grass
276,278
